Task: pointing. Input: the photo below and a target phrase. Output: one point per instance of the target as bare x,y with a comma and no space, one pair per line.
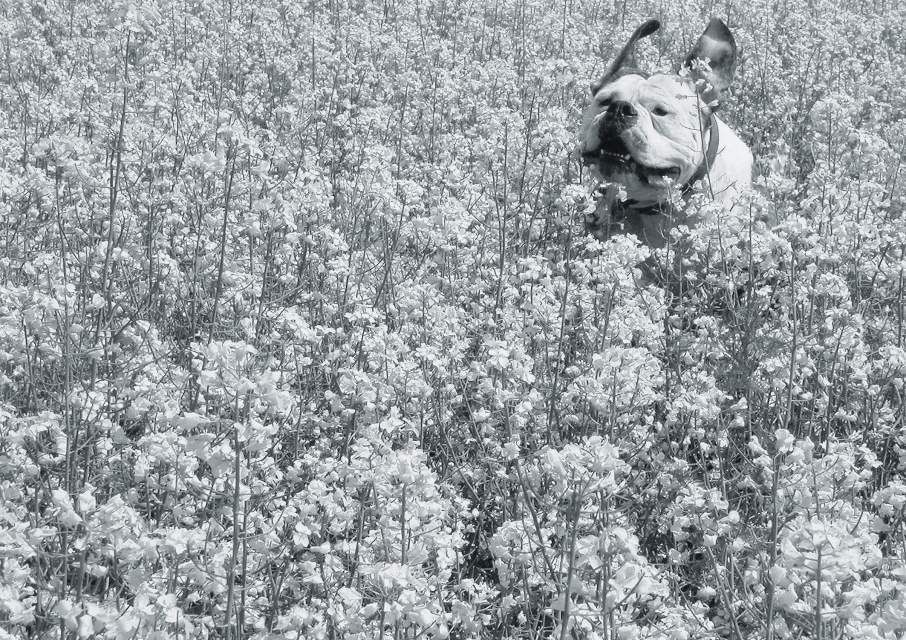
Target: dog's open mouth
613,155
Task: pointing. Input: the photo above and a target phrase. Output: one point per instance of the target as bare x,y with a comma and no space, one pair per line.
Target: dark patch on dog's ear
718,46
626,57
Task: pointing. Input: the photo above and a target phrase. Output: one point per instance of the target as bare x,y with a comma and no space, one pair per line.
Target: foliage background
301,335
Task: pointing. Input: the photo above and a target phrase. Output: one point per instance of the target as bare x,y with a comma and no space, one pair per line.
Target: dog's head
645,131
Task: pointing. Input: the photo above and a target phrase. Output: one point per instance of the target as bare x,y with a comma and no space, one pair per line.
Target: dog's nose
620,115
621,110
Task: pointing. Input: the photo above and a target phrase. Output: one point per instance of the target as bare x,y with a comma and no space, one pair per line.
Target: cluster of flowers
301,335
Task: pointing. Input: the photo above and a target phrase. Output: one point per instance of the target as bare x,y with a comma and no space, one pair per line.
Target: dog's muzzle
611,150
619,117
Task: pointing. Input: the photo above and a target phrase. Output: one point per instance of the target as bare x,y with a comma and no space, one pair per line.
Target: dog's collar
710,155
703,169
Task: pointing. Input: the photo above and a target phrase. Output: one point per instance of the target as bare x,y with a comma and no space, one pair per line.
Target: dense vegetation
301,334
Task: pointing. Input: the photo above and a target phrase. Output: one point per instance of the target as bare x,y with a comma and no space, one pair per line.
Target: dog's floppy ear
626,57
716,45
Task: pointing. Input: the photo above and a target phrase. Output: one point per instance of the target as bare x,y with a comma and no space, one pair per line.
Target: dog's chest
650,225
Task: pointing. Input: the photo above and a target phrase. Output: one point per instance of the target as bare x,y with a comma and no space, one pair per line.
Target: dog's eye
603,102
659,111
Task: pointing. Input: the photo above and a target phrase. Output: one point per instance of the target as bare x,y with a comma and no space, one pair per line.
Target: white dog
648,133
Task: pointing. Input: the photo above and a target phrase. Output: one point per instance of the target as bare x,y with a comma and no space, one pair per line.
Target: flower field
302,334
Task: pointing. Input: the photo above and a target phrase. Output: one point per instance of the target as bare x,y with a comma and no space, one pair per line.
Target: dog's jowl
648,133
